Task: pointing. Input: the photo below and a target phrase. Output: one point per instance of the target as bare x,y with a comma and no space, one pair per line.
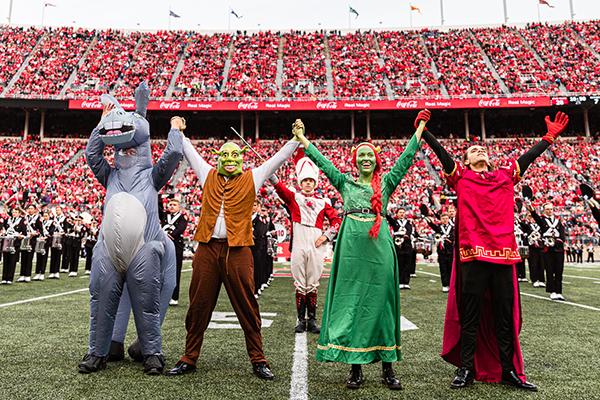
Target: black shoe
135,351
262,371
91,364
301,327
464,377
388,377
116,352
355,379
511,378
154,365
181,368
312,327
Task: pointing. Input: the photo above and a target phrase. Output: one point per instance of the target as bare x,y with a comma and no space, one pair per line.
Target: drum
40,246
8,244
57,241
524,251
26,244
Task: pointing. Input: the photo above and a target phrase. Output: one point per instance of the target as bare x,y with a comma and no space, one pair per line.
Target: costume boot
311,311
301,308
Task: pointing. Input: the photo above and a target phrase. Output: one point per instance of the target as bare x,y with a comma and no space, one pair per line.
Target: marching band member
15,230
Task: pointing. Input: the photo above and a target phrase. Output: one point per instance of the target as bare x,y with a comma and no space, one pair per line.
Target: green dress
361,318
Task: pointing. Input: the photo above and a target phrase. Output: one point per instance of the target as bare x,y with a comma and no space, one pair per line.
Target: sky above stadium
287,14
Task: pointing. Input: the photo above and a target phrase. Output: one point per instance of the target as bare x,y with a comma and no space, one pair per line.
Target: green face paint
365,160
230,160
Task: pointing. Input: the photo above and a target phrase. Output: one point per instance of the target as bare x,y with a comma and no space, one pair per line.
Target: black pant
478,277
9,266
55,256
413,262
67,244
554,261
590,257
521,269
579,257
179,263
26,263
42,260
445,261
404,266
74,258
89,252
536,265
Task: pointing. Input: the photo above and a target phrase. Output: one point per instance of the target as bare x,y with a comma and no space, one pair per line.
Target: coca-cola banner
404,104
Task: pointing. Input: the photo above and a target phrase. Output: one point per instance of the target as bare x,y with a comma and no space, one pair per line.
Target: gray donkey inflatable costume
131,246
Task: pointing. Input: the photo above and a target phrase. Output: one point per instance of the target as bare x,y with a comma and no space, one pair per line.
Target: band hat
306,169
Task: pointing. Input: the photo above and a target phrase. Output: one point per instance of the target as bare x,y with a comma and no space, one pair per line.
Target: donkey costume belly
123,229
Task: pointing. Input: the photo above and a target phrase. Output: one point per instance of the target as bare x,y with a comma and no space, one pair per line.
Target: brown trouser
215,263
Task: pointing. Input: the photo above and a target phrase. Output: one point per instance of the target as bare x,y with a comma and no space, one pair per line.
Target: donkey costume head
129,132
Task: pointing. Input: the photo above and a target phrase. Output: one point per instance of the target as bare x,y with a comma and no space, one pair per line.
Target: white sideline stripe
14,303
299,381
539,297
563,302
582,277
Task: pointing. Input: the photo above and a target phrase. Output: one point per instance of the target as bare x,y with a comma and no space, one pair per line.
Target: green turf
41,343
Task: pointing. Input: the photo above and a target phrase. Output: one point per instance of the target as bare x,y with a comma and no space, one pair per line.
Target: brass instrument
399,237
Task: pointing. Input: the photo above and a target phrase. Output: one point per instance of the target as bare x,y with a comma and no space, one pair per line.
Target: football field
44,331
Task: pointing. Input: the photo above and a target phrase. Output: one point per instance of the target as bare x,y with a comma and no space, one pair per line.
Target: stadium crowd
89,62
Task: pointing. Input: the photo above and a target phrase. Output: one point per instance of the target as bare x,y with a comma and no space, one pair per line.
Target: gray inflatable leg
144,283
122,319
106,285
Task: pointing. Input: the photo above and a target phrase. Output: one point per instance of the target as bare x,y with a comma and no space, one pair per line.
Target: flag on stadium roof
235,14
545,2
415,8
49,5
172,14
353,11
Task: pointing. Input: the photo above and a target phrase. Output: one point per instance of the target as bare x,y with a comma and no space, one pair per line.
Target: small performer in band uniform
34,227
76,235
553,237
262,230
174,224
90,235
14,230
403,231
59,223
445,247
536,260
42,248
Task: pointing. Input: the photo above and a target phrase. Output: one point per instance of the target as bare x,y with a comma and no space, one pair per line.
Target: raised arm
555,128
336,178
282,191
269,167
94,153
198,164
166,165
393,178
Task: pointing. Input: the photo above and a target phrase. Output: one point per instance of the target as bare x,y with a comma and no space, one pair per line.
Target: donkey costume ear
108,99
142,98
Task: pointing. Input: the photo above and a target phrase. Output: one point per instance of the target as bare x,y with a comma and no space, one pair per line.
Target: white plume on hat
305,169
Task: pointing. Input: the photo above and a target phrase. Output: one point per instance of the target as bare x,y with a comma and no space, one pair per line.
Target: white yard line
299,381
539,297
14,303
50,296
582,277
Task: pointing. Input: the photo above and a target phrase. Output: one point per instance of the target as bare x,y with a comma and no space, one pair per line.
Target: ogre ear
244,149
215,152
377,149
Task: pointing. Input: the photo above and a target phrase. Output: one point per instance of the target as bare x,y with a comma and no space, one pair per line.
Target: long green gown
361,318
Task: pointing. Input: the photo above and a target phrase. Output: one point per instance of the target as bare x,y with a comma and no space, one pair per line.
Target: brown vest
237,196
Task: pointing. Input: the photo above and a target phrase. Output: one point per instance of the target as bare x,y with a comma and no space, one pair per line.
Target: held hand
423,115
178,123
556,127
319,242
108,107
298,129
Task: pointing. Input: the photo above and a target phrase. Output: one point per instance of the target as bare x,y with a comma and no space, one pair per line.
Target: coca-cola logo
91,104
248,106
406,104
326,105
169,105
489,102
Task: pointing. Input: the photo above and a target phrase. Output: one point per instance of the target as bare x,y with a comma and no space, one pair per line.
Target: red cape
487,360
